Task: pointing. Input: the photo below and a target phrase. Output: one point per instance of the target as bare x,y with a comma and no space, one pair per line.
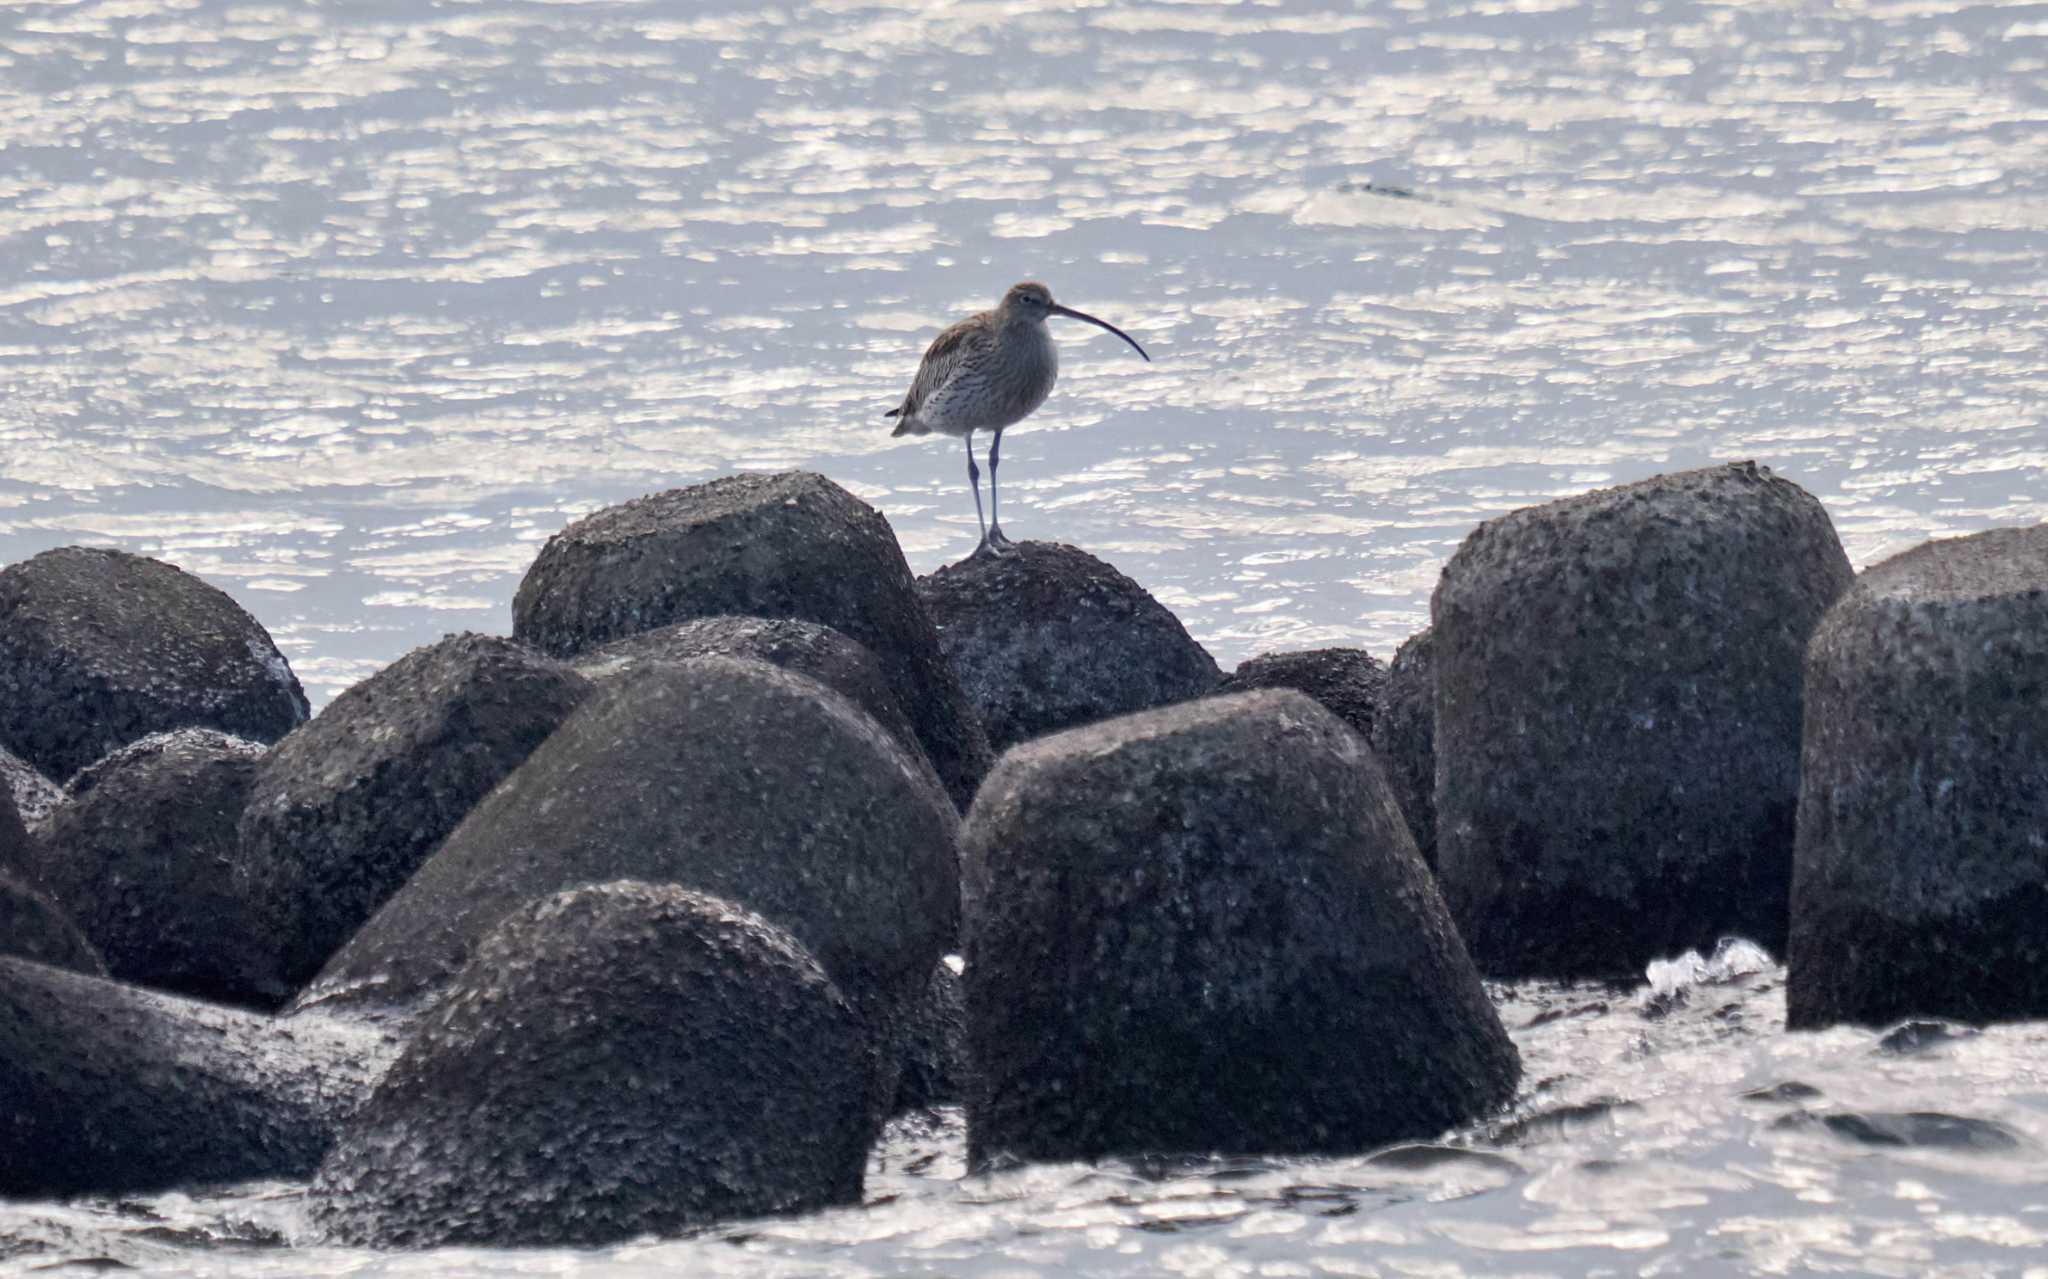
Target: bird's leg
974,481
995,501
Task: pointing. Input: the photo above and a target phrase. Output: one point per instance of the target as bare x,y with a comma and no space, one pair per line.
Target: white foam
1733,957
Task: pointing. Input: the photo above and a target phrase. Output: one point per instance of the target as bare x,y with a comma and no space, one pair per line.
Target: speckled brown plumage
989,371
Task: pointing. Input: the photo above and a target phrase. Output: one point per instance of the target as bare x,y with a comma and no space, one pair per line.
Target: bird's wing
942,359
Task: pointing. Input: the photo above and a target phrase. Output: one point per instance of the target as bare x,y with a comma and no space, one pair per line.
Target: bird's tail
906,424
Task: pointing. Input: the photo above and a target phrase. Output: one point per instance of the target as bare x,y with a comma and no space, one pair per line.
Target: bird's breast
1000,384
1033,369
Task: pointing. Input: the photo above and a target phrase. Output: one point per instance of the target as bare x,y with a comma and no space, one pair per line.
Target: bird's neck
1021,320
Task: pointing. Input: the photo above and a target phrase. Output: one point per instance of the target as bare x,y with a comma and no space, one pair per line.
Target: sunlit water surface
348,306
1633,1150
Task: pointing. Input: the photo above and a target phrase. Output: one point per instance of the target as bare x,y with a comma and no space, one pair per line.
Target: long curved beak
1071,313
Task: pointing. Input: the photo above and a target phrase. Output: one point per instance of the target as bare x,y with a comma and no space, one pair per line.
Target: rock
99,648
791,545
34,927
1404,734
1046,637
347,808
730,777
1922,1129
1924,1036
141,855
15,855
1346,681
34,795
619,1060
1922,877
806,648
113,1089
935,1044
1617,719
1205,929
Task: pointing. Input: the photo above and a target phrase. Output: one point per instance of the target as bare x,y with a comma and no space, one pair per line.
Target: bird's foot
998,540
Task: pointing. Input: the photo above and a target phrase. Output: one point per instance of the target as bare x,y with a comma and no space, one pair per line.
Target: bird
988,372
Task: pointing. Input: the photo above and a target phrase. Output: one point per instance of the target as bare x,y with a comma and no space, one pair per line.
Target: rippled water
347,306
1633,1151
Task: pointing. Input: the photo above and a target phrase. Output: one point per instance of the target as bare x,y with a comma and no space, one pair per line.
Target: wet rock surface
730,777
346,808
1347,682
616,1061
35,927
141,856
99,648
1617,719
1922,882
111,1088
1045,637
790,545
805,648
1206,928
1404,734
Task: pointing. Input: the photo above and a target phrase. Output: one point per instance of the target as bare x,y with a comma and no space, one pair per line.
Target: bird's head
1031,302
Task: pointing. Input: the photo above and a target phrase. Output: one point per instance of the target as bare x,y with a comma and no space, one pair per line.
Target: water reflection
1671,1128
286,293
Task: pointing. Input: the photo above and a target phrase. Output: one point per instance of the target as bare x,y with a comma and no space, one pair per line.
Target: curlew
988,372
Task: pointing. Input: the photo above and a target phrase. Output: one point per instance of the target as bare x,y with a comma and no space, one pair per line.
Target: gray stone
1205,929
34,795
1346,681
730,777
1617,719
35,927
346,808
99,648
14,841
1045,637
141,855
1921,886
1404,734
619,1060
113,1089
935,1044
789,545
806,648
